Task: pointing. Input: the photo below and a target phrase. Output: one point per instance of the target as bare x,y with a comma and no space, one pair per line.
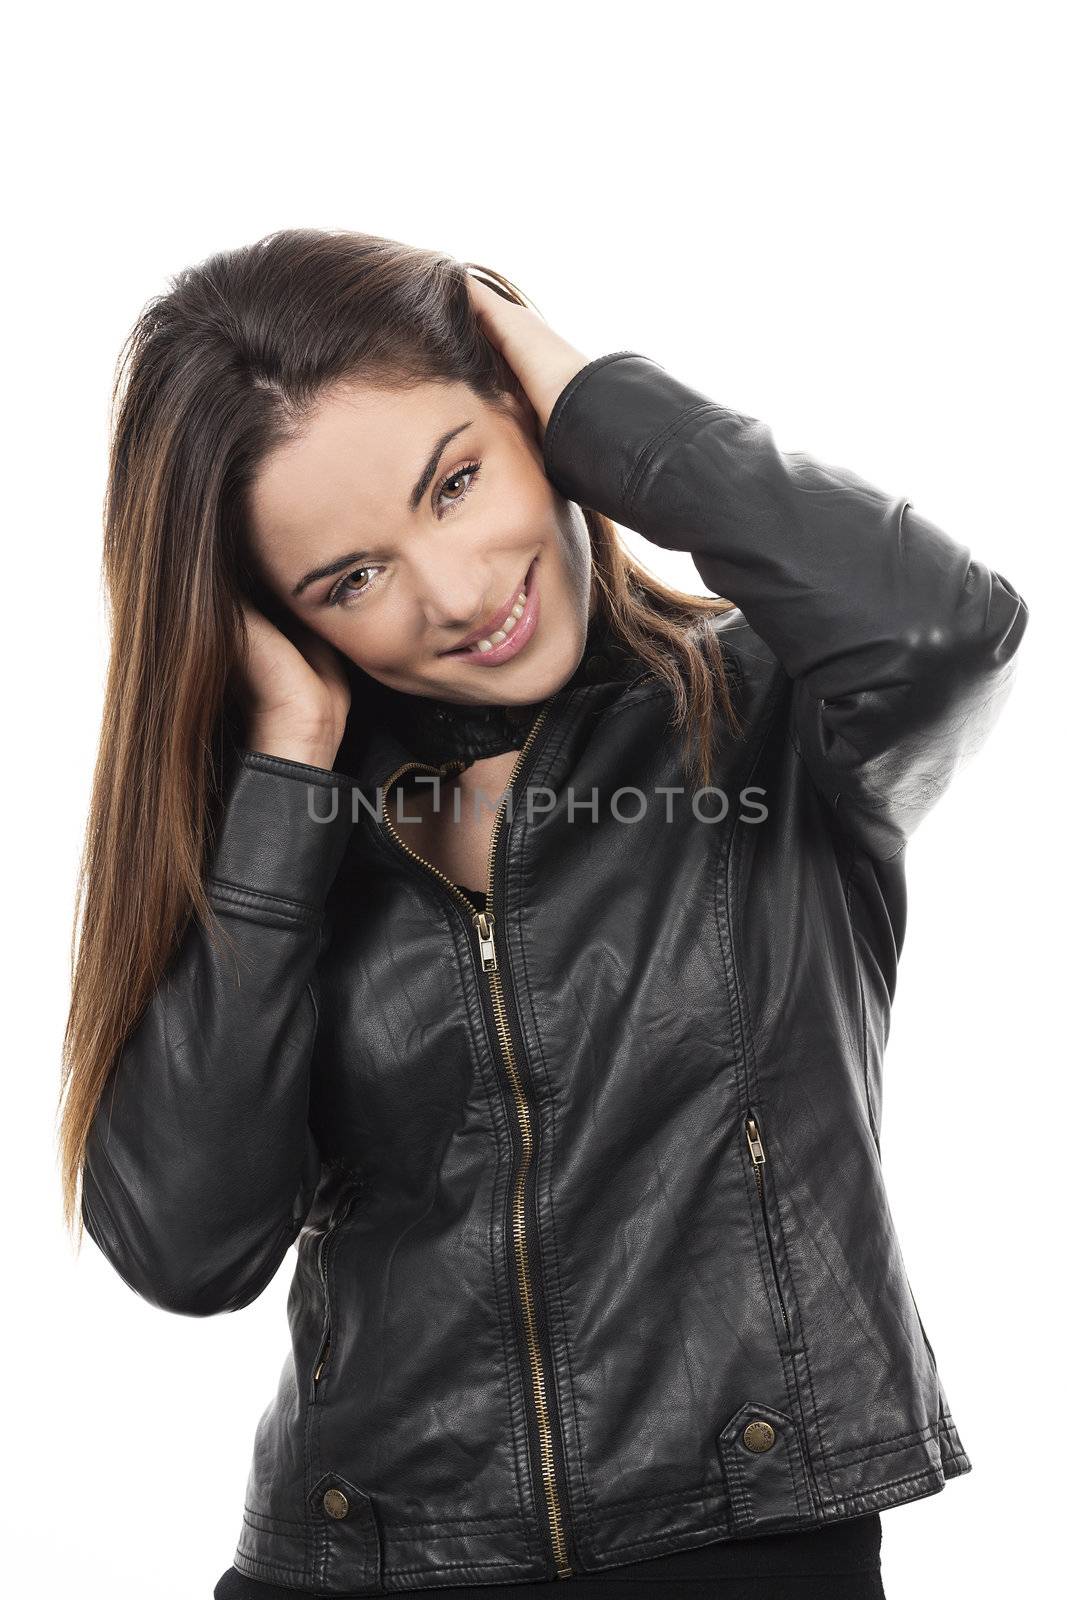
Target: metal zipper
325,1243
484,922
759,1160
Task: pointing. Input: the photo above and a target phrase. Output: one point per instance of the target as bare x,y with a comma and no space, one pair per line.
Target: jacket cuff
284,828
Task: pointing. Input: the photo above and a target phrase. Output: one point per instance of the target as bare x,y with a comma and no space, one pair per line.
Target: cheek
543,515
521,513
371,637
575,551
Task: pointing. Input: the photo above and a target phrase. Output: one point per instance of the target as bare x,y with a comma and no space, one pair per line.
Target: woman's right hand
295,696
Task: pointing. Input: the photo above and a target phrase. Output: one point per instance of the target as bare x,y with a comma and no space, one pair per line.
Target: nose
454,593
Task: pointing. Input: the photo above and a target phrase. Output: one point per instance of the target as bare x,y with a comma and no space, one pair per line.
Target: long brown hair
213,376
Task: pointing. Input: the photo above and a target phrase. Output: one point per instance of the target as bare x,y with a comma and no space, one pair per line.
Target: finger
499,318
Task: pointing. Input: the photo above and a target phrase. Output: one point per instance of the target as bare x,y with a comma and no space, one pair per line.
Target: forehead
358,457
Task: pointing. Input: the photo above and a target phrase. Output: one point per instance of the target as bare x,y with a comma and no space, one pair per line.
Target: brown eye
343,593
469,471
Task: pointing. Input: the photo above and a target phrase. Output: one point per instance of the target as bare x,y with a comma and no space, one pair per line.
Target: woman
561,1067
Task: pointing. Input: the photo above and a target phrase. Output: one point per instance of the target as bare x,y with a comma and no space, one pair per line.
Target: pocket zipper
759,1160
324,1249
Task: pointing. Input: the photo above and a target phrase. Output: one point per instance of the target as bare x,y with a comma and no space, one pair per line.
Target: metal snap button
758,1435
335,1504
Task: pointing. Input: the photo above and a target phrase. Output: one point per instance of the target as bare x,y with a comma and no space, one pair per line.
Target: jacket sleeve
899,646
200,1165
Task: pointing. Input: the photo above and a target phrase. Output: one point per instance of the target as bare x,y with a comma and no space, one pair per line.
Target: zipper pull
483,926
322,1362
755,1144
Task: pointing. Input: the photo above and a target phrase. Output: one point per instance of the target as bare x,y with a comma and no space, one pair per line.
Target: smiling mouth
491,639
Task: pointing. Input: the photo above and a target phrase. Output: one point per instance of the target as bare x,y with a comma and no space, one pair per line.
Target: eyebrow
422,483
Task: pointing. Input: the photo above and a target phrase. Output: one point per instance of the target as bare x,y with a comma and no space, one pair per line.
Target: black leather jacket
594,1259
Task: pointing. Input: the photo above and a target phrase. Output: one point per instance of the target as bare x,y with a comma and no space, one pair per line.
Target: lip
518,636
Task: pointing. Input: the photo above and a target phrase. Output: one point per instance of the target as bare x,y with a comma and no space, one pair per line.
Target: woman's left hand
543,362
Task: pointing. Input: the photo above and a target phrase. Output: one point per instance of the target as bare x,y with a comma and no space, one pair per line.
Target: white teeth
514,615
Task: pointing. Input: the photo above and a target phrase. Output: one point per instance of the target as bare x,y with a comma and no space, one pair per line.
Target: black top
841,1561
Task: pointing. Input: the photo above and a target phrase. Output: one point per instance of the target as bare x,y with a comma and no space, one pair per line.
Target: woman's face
403,522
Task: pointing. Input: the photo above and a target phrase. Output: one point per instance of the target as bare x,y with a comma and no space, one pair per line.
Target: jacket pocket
758,1160
327,1243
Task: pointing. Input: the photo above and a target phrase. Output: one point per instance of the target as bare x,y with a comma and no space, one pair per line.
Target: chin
529,682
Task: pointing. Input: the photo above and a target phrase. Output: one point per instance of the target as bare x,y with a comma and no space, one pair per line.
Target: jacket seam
864,1020
259,760
273,1522
700,1492
877,1490
792,1376
315,1535
725,928
912,1437
894,1449
654,446
696,1493
626,701
312,1534
721,1525
401,1532
724,924
281,909
269,1569
451,1566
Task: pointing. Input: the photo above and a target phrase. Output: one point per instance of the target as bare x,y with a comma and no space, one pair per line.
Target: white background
840,219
